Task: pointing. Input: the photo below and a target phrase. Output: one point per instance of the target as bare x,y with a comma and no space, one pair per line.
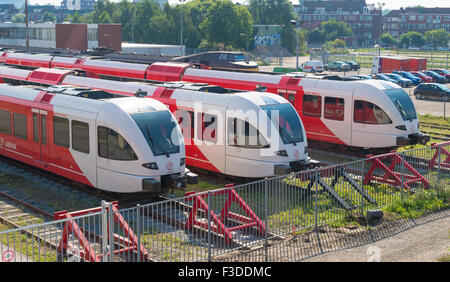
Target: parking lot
423,107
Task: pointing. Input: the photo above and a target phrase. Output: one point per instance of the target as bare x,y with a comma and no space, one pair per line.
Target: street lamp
297,25
181,27
380,5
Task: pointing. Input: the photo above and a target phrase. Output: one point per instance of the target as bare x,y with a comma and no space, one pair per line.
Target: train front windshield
159,130
289,124
402,102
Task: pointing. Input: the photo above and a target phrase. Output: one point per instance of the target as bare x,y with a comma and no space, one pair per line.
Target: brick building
364,19
417,19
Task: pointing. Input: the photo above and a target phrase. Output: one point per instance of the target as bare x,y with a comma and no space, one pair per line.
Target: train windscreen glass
402,102
159,130
289,124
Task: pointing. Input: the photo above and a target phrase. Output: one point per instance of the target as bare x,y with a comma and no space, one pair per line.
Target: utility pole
181,27
27,34
297,29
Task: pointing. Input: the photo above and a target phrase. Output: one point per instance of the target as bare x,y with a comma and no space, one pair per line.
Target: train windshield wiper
156,143
400,109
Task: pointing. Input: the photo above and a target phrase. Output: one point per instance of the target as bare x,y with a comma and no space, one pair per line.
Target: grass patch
32,248
421,202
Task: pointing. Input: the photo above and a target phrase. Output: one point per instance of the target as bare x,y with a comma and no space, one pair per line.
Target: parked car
403,82
382,76
337,65
220,60
353,65
436,77
443,72
422,76
415,80
312,66
361,76
433,91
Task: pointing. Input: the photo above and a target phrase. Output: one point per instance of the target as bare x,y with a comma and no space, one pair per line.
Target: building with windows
78,5
70,36
7,11
364,19
419,19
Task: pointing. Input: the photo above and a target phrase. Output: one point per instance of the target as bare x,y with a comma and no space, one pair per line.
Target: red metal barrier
390,176
218,222
129,242
443,154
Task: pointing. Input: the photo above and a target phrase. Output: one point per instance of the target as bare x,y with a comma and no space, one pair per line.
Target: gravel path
423,243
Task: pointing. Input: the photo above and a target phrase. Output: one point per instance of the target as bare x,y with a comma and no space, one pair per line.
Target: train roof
80,98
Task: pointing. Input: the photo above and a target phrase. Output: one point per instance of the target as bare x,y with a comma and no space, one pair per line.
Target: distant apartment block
417,19
7,11
364,19
78,5
71,36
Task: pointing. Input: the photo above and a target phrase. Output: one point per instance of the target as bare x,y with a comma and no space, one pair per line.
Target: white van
312,66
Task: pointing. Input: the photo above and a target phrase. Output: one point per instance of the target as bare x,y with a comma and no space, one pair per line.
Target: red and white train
364,114
94,137
244,134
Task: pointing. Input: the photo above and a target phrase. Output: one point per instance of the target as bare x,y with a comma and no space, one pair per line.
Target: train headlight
182,161
151,166
401,127
282,153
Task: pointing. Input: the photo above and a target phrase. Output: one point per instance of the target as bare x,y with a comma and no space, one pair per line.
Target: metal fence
258,221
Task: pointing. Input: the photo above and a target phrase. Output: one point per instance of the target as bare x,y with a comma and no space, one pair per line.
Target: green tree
315,36
18,18
225,22
48,17
437,37
411,39
332,30
387,40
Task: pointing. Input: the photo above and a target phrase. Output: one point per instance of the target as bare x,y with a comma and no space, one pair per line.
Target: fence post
402,155
138,232
111,231
104,232
439,163
316,210
362,186
209,226
266,215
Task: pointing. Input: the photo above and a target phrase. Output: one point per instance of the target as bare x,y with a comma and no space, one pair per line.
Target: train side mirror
140,93
260,88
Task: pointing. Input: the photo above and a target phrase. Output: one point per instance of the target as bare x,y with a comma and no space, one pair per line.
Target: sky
389,4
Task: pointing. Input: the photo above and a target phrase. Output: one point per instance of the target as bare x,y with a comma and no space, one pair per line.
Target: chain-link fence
285,218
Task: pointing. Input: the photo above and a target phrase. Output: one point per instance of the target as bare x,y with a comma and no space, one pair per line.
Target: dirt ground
391,239
424,243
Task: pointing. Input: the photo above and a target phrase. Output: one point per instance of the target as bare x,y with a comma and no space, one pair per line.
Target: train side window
186,121
243,134
80,136
5,122
333,108
20,126
44,129
368,113
35,128
207,127
61,132
312,106
291,98
111,145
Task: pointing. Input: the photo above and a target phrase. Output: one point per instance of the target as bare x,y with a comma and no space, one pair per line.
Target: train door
40,137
